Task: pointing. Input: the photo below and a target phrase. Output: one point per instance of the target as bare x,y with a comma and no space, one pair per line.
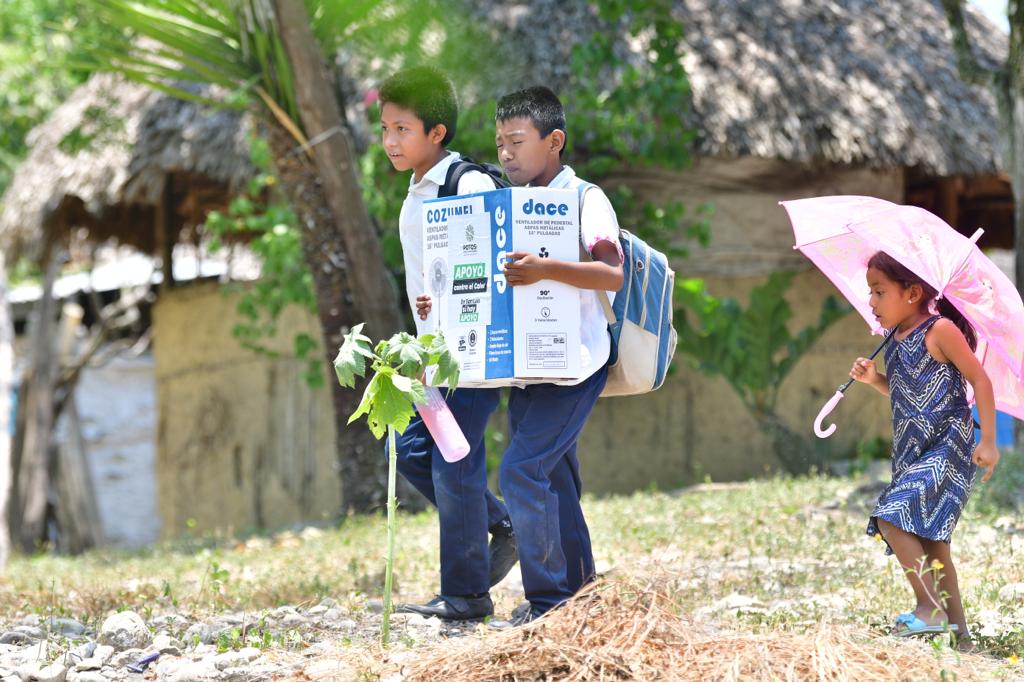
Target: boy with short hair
540,471
418,116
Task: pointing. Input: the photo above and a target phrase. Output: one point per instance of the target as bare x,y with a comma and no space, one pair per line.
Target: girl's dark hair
899,273
428,93
539,104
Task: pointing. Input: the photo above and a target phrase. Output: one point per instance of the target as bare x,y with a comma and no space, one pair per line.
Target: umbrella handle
831,404
824,412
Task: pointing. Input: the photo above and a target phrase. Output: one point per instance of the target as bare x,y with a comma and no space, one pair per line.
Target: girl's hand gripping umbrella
834,400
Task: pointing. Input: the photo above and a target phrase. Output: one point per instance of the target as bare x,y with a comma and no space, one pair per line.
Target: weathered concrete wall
696,425
242,441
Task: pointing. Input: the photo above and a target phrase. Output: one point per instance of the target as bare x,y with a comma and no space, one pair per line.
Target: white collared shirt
410,224
598,222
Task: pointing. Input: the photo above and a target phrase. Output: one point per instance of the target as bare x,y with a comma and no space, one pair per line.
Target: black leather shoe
452,607
503,553
521,609
520,616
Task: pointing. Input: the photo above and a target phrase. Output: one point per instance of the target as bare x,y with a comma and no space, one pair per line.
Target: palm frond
232,44
283,118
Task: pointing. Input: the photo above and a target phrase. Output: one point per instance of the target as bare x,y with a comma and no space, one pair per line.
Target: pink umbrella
839,234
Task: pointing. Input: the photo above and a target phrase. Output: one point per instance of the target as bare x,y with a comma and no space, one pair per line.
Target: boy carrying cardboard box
418,119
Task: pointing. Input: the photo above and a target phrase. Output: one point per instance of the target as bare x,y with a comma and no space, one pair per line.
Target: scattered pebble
125,630
64,626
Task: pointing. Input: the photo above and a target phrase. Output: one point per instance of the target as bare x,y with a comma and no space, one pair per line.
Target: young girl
927,362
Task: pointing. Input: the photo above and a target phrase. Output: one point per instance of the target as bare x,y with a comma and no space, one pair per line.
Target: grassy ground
777,556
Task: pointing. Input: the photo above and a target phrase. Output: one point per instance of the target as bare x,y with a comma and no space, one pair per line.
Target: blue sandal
912,625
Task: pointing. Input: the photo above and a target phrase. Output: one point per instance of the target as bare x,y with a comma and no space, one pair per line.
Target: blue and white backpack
640,319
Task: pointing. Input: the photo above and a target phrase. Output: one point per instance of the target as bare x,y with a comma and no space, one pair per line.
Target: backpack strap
581,190
606,305
456,170
460,167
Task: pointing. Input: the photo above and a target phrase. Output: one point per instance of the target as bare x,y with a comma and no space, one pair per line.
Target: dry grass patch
627,630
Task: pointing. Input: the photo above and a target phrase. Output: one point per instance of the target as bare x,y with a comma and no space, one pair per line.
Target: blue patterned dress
933,439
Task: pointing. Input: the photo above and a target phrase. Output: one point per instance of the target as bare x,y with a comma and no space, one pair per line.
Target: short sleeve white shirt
598,222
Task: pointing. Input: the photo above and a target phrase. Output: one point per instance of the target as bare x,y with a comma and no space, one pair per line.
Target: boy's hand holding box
502,334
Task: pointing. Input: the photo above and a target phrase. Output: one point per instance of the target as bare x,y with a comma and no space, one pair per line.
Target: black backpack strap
462,166
451,180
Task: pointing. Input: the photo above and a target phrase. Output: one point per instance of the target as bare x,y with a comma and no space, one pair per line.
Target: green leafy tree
397,365
630,111
39,60
753,349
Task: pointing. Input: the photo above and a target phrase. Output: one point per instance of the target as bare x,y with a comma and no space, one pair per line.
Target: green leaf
367,406
173,32
446,363
831,311
387,401
751,347
406,354
161,85
448,370
391,406
304,345
763,331
412,389
351,359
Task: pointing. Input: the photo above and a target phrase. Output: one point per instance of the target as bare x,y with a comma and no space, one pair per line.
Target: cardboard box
502,334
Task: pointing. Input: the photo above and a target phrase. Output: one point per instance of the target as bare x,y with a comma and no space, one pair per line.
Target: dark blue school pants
540,482
465,507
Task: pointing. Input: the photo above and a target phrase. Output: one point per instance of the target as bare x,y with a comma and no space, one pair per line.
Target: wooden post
77,514
947,202
162,233
30,474
339,240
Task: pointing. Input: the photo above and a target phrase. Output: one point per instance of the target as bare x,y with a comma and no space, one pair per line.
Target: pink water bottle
442,426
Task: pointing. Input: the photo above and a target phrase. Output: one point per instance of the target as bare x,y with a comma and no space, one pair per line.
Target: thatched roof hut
124,161
855,82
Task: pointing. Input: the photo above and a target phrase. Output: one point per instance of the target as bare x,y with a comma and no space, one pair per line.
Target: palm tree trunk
1016,141
376,296
340,241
